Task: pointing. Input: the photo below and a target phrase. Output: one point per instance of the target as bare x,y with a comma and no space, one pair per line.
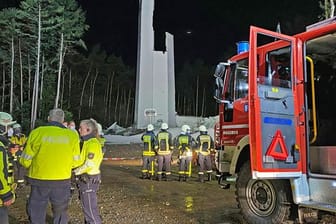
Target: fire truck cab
276,134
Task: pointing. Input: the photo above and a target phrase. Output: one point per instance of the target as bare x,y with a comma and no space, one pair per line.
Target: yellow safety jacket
204,144
91,157
51,152
184,145
5,188
163,146
148,145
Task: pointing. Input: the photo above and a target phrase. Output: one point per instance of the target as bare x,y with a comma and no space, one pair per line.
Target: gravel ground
124,198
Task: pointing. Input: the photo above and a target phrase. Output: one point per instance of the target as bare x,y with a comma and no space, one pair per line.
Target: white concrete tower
155,85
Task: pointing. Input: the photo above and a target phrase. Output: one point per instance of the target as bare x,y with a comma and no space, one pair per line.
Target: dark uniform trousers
38,202
88,186
4,215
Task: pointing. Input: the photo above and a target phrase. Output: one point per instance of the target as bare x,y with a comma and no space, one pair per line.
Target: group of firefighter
159,148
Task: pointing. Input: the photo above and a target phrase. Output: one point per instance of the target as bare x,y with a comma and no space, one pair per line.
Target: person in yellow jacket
205,145
184,142
7,195
89,172
50,154
17,143
148,153
164,147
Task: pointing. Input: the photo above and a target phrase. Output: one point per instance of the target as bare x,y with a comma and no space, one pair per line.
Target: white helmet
185,128
202,128
5,121
150,127
164,126
16,126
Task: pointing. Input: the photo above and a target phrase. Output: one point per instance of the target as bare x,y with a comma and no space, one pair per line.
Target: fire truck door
272,109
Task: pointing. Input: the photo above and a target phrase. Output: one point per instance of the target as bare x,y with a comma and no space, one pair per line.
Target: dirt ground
125,198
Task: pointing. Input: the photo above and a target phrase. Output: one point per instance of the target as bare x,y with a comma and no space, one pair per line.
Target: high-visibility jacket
204,143
184,143
5,188
164,143
51,152
91,156
102,141
149,143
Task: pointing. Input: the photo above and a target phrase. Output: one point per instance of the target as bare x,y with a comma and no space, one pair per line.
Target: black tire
262,201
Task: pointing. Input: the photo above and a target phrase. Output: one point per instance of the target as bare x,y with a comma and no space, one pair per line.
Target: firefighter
184,143
148,153
7,195
88,173
50,154
164,147
205,146
17,143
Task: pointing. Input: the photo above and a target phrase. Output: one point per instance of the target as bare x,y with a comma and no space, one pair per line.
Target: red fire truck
276,134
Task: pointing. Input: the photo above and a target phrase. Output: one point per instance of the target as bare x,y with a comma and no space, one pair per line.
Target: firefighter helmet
185,128
150,127
16,126
5,121
164,126
202,128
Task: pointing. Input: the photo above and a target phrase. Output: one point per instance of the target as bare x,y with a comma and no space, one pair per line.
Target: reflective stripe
148,153
26,157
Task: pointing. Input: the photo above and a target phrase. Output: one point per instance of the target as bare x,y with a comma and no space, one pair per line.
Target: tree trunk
128,107
93,83
82,94
11,79
110,96
36,81
21,80
116,105
203,103
59,72
42,84
29,78
69,88
196,100
3,86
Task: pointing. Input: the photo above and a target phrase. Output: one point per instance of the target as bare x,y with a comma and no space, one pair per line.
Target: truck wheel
262,201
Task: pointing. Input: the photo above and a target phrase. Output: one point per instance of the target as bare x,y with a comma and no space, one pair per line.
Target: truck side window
279,68
241,82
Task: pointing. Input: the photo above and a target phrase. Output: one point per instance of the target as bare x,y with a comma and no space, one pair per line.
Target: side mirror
220,69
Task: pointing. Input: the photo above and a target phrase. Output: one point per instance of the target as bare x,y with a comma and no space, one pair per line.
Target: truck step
319,206
225,181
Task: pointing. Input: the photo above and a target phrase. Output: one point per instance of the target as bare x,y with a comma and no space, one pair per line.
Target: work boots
159,177
201,178
209,176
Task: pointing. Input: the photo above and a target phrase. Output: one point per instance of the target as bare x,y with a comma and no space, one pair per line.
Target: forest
46,64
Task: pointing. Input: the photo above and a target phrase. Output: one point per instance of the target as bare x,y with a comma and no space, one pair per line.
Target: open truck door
272,111
272,106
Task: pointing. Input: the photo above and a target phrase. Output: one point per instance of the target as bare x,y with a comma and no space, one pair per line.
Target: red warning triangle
277,140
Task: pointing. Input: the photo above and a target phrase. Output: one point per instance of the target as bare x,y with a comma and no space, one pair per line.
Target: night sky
204,29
